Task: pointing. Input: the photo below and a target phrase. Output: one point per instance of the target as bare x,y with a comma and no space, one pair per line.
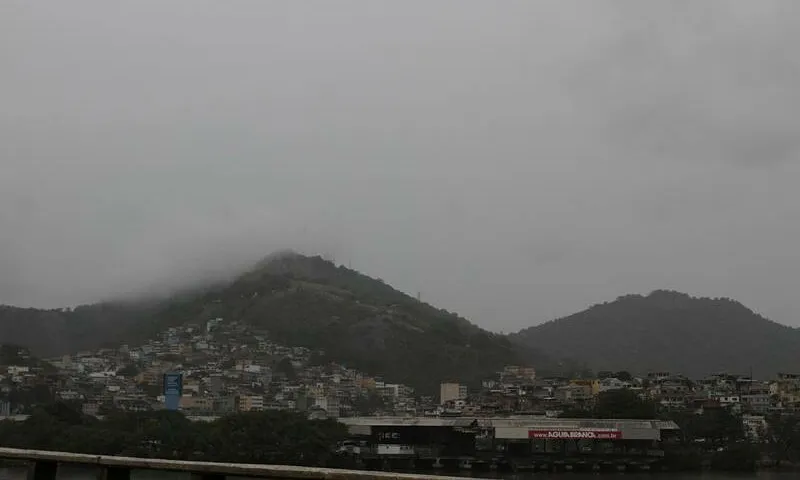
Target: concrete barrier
43,465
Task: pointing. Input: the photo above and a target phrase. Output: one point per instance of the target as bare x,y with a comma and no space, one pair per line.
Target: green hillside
669,331
58,331
302,301
355,319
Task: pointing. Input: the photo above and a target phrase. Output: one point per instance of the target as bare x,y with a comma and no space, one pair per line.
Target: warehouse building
490,439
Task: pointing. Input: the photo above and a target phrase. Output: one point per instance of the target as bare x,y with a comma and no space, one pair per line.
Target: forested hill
669,331
57,331
357,320
302,301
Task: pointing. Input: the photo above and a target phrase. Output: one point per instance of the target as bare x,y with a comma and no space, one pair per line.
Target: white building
16,370
607,384
251,368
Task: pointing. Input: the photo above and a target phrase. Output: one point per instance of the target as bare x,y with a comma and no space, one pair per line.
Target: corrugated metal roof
506,422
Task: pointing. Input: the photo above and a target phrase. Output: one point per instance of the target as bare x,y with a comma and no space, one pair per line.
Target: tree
272,437
130,370
783,438
716,427
31,397
45,428
623,404
252,437
369,404
65,413
285,367
11,354
624,375
318,357
576,413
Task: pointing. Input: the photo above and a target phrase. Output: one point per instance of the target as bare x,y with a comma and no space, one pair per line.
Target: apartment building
452,392
251,403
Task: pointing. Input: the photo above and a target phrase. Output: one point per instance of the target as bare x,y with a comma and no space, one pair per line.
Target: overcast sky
513,161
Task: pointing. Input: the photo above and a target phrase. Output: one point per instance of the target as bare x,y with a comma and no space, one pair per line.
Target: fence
43,465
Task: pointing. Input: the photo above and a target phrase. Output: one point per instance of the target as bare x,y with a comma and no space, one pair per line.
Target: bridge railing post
207,476
114,473
42,470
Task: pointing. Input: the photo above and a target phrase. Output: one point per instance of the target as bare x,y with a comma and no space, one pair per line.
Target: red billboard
575,434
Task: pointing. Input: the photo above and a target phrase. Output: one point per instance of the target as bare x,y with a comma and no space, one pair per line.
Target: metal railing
43,465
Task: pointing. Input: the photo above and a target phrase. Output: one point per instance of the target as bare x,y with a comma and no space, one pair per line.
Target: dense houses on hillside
741,394
751,399
229,367
226,367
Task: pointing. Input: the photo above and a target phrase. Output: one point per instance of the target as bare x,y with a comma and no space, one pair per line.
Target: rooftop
519,421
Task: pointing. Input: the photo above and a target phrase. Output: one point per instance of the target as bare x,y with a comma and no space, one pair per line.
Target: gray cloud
513,161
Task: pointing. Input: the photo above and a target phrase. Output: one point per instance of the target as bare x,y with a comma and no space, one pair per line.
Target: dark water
70,473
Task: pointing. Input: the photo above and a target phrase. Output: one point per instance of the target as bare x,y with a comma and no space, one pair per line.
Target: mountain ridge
364,322
668,330
301,301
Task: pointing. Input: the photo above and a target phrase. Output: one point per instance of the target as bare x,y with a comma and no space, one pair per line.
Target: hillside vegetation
302,301
57,331
355,319
669,331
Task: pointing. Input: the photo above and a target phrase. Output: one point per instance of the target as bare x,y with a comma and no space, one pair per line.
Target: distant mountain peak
671,298
667,330
276,256
662,293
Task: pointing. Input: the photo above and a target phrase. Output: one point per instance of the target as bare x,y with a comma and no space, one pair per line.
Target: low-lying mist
152,263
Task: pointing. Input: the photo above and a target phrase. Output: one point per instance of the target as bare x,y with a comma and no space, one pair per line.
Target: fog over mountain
514,161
